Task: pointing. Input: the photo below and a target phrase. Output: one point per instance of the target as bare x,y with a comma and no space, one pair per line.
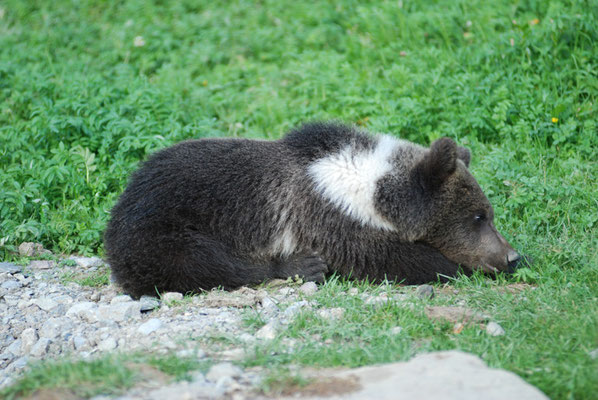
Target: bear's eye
481,217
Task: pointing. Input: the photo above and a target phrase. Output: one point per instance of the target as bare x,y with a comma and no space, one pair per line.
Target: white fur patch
284,244
348,179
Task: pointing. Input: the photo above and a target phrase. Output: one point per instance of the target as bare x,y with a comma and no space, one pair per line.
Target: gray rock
9,268
425,292
445,375
30,249
41,347
395,330
15,348
353,291
187,391
54,327
123,298
11,285
41,264
308,288
107,344
63,299
149,326
377,300
494,329
45,303
286,291
593,354
28,339
88,262
79,342
295,308
269,306
331,313
268,331
120,311
149,303
171,297
20,363
223,370
85,310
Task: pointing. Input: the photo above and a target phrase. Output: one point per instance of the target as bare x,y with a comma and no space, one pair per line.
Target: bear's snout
518,262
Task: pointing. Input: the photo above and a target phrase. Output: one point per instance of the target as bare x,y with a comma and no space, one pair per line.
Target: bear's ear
464,155
438,164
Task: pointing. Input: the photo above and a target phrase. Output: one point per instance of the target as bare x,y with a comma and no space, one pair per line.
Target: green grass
97,278
107,374
82,378
516,81
549,331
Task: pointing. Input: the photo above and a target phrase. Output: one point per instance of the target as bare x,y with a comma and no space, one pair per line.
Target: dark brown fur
205,213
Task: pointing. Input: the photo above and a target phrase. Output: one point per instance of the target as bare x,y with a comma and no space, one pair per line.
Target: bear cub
325,198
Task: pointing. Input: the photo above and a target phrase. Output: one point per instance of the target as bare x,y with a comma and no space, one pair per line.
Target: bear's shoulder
317,139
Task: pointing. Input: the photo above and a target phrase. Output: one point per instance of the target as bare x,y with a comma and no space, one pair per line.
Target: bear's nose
512,260
513,256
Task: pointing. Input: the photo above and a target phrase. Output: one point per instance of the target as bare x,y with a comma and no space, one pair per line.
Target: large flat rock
440,375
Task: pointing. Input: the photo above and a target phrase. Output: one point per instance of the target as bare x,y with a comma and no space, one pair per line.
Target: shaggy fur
325,198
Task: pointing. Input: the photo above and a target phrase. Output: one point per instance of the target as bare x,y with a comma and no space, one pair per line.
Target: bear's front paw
310,268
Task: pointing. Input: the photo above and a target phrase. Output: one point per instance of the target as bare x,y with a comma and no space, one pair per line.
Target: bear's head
441,204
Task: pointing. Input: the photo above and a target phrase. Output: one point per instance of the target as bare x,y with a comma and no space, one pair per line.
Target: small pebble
268,331
494,329
308,288
149,326
171,297
425,292
223,370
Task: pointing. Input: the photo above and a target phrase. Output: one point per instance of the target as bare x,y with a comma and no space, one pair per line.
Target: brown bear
326,198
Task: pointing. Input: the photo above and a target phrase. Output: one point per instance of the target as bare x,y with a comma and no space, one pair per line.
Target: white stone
223,370
15,348
268,331
149,303
286,291
353,291
30,249
53,327
41,347
170,297
494,329
63,299
41,264
269,306
107,344
151,325
445,375
88,262
377,300
331,313
308,288
395,330
9,268
45,303
80,309
123,298
11,285
120,311
28,339
79,342
295,308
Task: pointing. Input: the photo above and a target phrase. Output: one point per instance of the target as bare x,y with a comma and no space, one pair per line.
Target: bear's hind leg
311,268
205,263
